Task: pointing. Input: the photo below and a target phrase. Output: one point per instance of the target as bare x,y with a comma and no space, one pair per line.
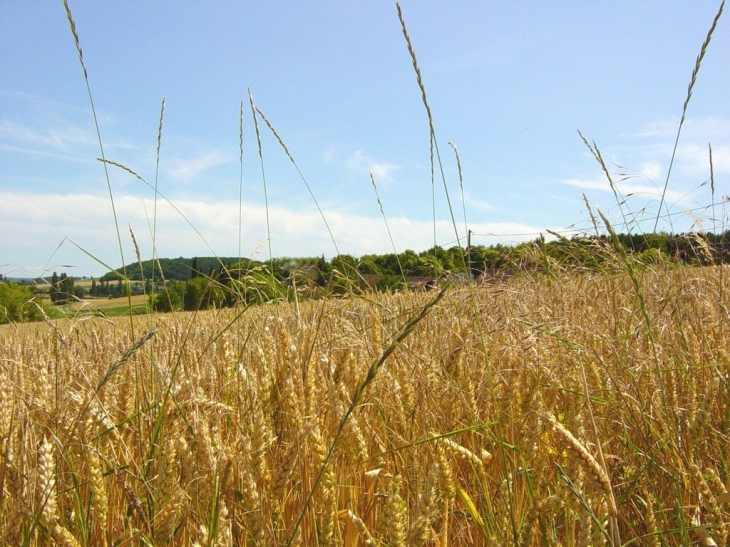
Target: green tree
169,298
345,265
408,260
195,288
426,266
202,293
55,289
389,264
368,265
62,288
118,290
323,271
441,260
67,288
16,303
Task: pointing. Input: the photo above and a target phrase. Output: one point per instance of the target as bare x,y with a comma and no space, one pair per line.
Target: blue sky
508,83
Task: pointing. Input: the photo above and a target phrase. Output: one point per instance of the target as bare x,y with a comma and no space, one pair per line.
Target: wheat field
558,408
577,409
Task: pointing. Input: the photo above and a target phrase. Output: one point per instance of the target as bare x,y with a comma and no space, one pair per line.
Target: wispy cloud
186,170
695,158
664,129
704,128
639,165
361,162
654,142
628,187
62,139
478,204
651,170
42,153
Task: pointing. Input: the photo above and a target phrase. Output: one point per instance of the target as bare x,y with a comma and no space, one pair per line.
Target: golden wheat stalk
587,461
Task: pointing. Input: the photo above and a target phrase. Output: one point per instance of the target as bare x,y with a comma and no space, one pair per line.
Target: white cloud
663,129
695,158
651,170
478,204
382,171
41,153
41,222
707,128
656,141
56,137
651,150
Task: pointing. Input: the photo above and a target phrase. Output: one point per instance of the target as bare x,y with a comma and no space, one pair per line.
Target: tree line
254,282
579,251
206,282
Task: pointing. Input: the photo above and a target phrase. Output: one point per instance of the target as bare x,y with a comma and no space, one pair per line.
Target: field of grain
573,410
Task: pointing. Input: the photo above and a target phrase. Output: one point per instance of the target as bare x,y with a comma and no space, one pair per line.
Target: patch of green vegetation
18,303
139,309
173,269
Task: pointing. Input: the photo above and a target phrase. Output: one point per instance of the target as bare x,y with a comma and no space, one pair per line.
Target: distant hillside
172,268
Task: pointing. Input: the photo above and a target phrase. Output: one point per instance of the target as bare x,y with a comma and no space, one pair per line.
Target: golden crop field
562,407
582,409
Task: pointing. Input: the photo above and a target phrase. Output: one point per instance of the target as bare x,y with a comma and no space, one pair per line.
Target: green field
109,307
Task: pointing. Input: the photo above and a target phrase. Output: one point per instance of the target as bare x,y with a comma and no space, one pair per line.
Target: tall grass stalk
77,43
620,199
432,133
461,186
301,176
387,227
263,179
692,82
635,279
240,179
157,178
718,259
472,291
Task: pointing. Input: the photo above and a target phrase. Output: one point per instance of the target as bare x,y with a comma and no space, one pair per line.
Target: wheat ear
365,536
593,469
47,484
